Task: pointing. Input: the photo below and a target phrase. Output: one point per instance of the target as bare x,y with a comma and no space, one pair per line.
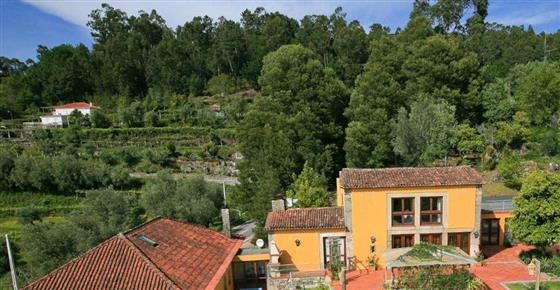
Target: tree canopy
536,215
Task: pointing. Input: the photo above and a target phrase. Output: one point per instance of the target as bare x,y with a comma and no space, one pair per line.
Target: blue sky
26,24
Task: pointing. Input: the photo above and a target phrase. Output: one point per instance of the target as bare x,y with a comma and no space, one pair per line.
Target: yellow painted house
378,211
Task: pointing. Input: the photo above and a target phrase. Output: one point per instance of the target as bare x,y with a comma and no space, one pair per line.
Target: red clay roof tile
306,218
78,105
409,177
186,257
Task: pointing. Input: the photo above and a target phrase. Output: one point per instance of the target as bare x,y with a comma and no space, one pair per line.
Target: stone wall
294,283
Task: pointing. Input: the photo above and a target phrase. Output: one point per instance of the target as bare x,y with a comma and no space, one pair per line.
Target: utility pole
544,57
546,51
12,267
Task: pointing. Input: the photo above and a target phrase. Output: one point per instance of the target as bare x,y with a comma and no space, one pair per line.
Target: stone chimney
278,205
226,225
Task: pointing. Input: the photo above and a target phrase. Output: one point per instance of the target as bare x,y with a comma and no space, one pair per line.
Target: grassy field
492,187
49,204
13,227
52,206
555,285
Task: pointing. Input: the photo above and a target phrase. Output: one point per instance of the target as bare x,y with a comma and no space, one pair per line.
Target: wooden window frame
256,276
490,232
344,255
430,238
402,213
402,241
431,212
459,239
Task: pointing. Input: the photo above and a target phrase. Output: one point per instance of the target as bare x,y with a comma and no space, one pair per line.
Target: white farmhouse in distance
61,112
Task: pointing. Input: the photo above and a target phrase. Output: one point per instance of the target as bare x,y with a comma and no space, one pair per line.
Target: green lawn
555,285
490,187
13,227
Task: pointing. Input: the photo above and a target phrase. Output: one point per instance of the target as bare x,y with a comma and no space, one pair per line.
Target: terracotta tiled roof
114,264
78,105
409,177
192,256
306,218
186,257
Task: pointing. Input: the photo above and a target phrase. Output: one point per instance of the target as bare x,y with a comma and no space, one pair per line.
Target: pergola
424,256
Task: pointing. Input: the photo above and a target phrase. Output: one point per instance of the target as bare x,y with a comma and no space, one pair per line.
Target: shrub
7,163
99,120
190,199
511,170
438,277
29,214
220,85
549,263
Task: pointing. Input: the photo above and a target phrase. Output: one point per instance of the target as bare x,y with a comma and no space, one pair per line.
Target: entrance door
490,232
334,247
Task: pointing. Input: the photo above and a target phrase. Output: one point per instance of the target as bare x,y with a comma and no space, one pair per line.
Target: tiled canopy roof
409,177
306,218
186,257
78,105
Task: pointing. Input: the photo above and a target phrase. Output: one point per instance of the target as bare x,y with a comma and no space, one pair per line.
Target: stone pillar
226,225
475,241
278,205
348,224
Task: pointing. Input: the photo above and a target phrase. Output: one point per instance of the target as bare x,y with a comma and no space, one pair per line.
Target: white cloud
177,12
525,12
535,19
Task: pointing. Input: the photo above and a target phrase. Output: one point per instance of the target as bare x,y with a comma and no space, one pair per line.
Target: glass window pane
408,204
408,240
396,242
425,218
250,270
437,203
408,219
425,203
261,269
397,206
397,220
436,218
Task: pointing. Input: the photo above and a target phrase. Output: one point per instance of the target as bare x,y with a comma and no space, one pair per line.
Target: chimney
278,205
226,225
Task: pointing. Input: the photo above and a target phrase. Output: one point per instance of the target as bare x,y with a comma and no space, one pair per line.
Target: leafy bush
7,162
511,170
220,85
65,174
549,263
535,221
438,277
99,120
46,245
191,199
4,263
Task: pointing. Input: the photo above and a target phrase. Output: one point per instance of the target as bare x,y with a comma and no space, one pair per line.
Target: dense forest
300,98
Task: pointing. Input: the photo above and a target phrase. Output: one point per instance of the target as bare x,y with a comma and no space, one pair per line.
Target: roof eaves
344,186
67,264
225,265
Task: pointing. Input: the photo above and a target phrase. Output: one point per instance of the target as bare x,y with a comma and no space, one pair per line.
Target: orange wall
370,214
306,257
502,215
